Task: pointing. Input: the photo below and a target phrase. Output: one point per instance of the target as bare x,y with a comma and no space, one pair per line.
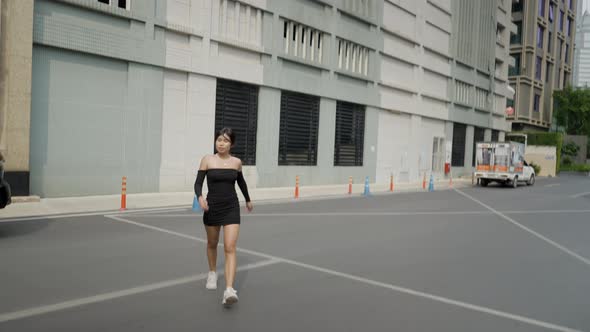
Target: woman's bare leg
230,238
212,241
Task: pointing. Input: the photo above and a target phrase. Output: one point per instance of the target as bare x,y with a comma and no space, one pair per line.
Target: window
302,42
517,6
549,41
236,106
538,67
353,57
536,102
239,22
123,4
569,27
515,71
551,12
495,135
540,35
542,8
558,80
350,134
516,38
567,52
548,68
462,92
298,138
458,153
481,97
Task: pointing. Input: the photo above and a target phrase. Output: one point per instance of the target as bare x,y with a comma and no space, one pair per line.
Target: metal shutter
350,134
298,139
495,135
458,155
236,107
478,136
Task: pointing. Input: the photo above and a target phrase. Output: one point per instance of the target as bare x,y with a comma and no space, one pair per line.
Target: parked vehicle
502,162
5,193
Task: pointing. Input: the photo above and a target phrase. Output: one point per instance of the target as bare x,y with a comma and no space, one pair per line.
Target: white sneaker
211,280
230,296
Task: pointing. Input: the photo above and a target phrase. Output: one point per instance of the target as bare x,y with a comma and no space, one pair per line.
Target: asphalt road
475,259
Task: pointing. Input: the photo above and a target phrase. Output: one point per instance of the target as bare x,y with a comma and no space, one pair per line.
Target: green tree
572,110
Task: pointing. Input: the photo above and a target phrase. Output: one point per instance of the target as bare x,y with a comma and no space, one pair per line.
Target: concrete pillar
16,52
415,158
469,147
487,135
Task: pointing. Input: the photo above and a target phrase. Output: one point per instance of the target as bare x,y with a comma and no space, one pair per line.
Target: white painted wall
188,119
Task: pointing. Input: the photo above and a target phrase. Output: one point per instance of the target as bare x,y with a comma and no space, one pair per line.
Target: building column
487,135
16,53
469,147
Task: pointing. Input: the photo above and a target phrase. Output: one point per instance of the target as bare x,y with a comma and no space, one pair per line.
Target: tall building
320,89
543,51
582,51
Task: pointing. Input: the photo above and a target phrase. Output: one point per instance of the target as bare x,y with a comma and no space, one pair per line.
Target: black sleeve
199,183
243,186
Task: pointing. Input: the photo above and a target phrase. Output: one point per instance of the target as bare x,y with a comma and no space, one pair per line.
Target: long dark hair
226,131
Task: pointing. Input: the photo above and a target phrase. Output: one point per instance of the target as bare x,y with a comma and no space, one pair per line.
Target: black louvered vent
236,107
350,134
478,136
298,139
458,156
495,135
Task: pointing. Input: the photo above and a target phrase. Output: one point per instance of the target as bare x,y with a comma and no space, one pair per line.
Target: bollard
296,186
367,191
350,185
391,182
124,194
451,180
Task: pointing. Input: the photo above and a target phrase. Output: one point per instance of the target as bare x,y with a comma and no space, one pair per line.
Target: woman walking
221,208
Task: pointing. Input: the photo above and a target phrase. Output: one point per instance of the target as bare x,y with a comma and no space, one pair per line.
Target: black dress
224,207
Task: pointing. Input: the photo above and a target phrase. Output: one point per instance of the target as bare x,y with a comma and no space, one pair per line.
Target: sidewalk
112,203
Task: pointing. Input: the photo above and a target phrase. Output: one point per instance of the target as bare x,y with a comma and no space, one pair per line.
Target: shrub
576,168
536,167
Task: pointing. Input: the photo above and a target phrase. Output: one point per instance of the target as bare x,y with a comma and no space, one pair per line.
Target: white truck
502,162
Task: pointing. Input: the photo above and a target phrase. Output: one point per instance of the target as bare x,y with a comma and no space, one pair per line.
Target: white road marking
540,236
399,289
580,194
366,214
118,294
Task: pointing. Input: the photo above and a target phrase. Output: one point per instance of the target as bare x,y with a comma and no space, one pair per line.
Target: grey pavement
471,259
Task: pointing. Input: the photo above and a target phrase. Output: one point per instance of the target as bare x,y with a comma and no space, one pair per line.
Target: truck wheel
515,182
531,181
484,182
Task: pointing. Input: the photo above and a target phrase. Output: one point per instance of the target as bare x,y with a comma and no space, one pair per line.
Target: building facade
582,52
322,89
16,46
543,48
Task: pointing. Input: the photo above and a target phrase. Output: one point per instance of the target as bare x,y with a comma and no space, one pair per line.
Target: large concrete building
543,48
322,89
582,51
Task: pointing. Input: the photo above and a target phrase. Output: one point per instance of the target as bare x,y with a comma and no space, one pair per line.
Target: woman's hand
249,206
203,204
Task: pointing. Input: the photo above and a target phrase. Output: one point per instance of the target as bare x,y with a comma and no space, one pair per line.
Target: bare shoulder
237,161
205,162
